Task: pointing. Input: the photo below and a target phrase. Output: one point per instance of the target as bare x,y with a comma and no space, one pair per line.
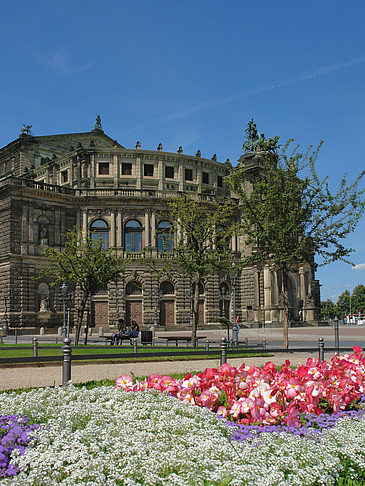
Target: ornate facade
50,184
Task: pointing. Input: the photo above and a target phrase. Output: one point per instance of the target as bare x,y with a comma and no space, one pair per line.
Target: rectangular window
148,170
126,169
133,242
220,181
188,174
169,172
64,175
205,178
103,168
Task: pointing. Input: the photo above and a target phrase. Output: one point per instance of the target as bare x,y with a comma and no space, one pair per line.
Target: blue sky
193,73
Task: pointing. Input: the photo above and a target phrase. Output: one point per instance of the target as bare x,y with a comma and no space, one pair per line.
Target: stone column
112,229
84,223
153,229
92,171
267,293
139,173
181,176
115,170
160,175
147,241
119,243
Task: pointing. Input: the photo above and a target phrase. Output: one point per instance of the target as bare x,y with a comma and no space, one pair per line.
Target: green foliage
328,309
203,231
289,214
358,299
85,263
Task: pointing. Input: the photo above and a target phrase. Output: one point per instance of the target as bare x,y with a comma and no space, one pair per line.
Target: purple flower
14,434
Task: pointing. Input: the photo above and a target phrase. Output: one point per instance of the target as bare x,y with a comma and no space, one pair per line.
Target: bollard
41,331
224,346
337,336
16,336
134,345
321,348
153,341
207,345
66,364
264,344
35,347
101,331
59,331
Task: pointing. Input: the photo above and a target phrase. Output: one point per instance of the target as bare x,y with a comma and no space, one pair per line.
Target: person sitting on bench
135,329
117,336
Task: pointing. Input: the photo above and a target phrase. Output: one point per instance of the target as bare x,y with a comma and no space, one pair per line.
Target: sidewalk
41,376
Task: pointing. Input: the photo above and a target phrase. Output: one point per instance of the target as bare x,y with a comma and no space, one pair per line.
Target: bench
177,339
108,339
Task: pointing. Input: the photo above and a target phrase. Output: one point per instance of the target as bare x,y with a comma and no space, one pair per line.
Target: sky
193,73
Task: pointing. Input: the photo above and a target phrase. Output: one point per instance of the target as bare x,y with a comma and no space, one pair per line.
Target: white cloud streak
298,78
360,266
59,61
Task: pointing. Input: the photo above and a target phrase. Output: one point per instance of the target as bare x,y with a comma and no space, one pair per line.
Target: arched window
133,235
99,229
201,289
165,237
167,288
133,288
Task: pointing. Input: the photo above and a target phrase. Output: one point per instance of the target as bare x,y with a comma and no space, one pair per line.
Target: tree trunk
286,309
80,316
195,314
87,326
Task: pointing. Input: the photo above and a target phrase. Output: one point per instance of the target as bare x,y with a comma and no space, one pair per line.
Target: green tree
289,214
328,309
84,262
203,230
358,299
343,306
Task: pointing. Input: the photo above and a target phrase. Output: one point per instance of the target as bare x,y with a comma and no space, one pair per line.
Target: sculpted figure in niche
44,307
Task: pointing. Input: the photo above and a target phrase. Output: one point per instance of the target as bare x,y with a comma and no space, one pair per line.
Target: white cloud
360,266
59,60
306,75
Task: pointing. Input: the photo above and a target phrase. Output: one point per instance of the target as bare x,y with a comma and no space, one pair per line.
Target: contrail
252,92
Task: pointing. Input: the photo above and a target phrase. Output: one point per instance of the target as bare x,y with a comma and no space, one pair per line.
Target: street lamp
235,329
5,318
156,298
63,289
223,298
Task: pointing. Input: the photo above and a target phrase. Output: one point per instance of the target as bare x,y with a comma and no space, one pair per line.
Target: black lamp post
5,317
156,298
235,329
63,290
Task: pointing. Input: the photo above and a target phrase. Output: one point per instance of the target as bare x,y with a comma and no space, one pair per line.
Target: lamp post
337,337
5,318
156,298
232,276
116,305
63,289
223,297
70,301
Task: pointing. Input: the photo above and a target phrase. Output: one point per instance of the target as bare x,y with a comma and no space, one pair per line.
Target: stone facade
50,184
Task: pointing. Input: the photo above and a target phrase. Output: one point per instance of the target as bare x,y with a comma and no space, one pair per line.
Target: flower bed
109,437
267,396
15,435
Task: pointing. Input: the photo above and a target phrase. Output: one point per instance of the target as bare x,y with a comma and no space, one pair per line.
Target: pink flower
124,381
222,412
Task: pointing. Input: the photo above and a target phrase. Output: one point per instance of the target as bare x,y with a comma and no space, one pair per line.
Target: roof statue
256,143
26,130
252,138
98,125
